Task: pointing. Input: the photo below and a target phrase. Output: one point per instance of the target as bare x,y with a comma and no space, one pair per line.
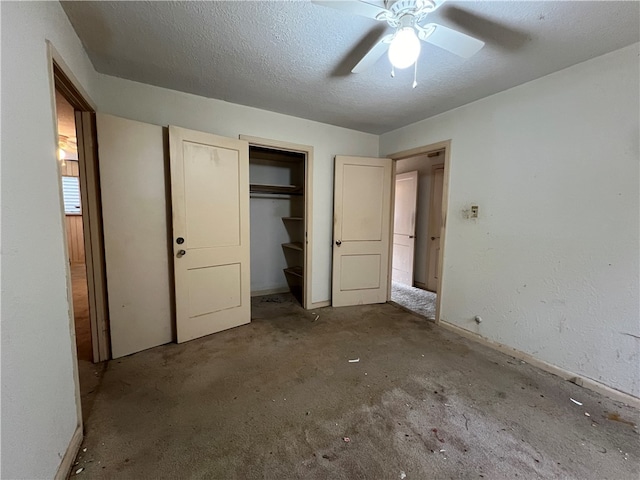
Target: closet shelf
293,218
275,189
295,271
294,246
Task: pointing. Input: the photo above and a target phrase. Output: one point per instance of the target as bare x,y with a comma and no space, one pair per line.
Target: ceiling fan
407,17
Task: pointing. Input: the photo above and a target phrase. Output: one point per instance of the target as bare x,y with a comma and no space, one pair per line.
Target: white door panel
134,214
212,199
362,185
362,208
405,206
210,193
360,271
223,279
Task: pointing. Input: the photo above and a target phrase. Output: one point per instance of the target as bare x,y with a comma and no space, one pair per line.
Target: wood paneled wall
75,237
70,169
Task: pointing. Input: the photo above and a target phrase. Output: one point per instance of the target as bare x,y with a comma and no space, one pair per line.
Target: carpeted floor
363,392
414,299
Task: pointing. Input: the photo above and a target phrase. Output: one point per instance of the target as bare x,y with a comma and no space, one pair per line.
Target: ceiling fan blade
355,6
451,40
373,55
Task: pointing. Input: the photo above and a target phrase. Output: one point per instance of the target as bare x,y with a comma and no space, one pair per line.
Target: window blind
71,194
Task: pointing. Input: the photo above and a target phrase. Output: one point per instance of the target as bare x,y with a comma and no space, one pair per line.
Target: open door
134,212
362,208
435,227
404,227
210,202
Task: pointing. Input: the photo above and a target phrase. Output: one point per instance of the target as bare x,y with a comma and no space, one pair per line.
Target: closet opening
279,200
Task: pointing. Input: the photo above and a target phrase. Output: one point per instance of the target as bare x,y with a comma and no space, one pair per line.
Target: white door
134,215
210,200
435,226
404,227
362,208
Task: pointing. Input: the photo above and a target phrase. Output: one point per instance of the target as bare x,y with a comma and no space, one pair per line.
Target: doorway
418,221
75,130
80,122
70,180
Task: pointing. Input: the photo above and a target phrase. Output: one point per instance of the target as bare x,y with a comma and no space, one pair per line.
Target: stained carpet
362,392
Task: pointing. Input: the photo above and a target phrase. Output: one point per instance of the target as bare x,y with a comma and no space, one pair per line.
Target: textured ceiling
294,57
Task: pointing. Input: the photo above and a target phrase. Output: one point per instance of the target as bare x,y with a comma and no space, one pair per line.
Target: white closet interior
277,206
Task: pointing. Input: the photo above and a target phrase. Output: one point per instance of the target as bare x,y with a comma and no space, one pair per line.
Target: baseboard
271,291
70,455
423,286
325,303
588,383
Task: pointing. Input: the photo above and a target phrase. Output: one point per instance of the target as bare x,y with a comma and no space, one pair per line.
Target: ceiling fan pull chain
393,71
415,74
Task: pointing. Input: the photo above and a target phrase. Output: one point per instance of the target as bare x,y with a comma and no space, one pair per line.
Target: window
71,195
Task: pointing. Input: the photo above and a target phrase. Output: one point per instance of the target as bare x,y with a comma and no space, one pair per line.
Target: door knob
433,238
412,236
338,242
181,253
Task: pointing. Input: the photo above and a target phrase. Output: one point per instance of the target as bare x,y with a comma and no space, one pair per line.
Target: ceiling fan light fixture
405,48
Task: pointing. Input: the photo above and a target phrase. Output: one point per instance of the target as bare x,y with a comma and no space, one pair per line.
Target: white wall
161,106
423,164
552,264
38,392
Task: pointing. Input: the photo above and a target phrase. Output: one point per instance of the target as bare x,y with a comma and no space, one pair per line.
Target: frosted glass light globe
404,48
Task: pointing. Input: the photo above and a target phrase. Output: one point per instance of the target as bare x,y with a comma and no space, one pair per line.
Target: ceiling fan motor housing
404,11
409,19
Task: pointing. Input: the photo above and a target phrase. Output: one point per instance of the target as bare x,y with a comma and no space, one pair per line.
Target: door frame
414,152
63,81
307,150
